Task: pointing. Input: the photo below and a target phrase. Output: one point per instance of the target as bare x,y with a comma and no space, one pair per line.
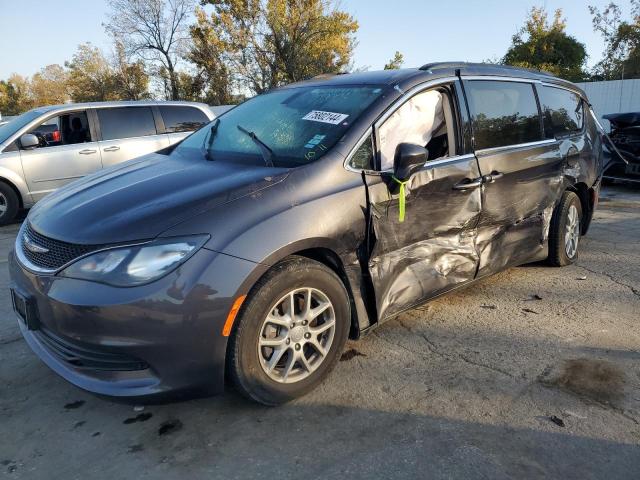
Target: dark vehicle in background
625,135
48,147
311,214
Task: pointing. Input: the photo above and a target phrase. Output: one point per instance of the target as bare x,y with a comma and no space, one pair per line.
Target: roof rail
440,65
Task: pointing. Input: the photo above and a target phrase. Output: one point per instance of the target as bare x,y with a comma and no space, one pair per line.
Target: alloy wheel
296,335
572,232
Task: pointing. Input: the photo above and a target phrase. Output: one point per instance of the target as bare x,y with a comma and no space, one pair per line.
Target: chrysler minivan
252,250
48,147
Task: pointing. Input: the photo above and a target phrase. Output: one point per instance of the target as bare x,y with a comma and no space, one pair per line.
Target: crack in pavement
634,290
433,348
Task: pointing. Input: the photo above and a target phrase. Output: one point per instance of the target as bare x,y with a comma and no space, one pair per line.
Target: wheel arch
13,187
587,197
325,251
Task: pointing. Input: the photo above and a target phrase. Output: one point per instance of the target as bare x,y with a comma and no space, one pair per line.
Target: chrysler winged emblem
34,247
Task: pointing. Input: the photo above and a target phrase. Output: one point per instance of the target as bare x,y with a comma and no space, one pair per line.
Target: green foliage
622,42
256,45
543,46
395,63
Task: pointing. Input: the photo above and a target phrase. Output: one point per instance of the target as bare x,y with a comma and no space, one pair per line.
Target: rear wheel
291,331
565,230
9,204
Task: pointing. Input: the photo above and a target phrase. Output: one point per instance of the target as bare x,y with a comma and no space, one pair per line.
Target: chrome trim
408,94
438,162
562,87
485,151
24,262
498,78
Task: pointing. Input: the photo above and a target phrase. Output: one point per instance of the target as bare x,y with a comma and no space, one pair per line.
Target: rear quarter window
182,118
126,122
504,113
563,111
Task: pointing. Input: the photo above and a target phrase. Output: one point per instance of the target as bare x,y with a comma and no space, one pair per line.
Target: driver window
64,129
424,120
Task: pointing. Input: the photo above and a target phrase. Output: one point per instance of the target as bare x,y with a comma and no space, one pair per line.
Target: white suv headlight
137,264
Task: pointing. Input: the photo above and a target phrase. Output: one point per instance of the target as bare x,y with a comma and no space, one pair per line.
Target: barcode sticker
325,117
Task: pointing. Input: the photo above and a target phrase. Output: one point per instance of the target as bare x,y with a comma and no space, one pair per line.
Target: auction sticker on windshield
325,117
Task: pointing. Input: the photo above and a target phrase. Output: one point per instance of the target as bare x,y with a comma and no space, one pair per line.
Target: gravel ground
531,373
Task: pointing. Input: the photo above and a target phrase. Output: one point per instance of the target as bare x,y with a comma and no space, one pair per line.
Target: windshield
17,123
297,125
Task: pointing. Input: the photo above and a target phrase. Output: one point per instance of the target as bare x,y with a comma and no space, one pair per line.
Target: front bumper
147,341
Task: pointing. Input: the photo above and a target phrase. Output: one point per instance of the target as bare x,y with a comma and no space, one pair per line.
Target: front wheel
290,333
565,230
9,204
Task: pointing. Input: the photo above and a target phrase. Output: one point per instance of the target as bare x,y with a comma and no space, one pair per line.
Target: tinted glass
182,119
563,111
66,129
298,124
504,113
126,122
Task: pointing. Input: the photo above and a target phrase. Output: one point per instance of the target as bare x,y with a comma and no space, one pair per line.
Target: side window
65,129
182,119
424,120
504,113
126,122
362,158
563,111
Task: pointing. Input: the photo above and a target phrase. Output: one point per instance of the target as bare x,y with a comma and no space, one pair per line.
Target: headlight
134,265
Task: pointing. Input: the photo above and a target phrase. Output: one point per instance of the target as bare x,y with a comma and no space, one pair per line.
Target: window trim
582,103
53,114
532,83
123,107
192,107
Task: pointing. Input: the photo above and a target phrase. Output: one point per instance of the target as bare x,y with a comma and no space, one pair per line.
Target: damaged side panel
517,206
433,250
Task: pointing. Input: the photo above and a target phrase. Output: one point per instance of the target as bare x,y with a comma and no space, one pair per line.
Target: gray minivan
47,147
307,215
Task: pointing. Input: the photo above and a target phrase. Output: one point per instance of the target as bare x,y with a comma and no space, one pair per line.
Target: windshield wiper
211,138
267,153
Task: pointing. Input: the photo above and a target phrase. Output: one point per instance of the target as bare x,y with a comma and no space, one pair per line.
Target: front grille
58,253
84,357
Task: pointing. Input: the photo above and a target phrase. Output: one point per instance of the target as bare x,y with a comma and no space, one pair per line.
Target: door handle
111,149
492,177
468,184
86,151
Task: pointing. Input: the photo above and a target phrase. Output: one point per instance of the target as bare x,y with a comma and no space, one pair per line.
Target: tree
155,30
266,43
395,63
90,76
543,46
49,86
14,95
130,79
622,41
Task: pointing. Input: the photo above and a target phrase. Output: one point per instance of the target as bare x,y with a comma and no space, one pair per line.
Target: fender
9,176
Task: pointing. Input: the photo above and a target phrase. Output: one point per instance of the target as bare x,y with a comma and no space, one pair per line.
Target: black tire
558,255
244,366
8,199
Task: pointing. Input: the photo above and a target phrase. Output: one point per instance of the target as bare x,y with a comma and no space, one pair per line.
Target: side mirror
408,159
29,141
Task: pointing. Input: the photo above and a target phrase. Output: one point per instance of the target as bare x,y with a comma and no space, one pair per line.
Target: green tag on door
401,199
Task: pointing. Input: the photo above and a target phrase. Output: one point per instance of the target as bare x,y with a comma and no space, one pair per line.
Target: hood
140,199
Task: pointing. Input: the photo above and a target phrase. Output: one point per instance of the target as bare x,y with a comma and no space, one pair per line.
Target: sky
35,33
